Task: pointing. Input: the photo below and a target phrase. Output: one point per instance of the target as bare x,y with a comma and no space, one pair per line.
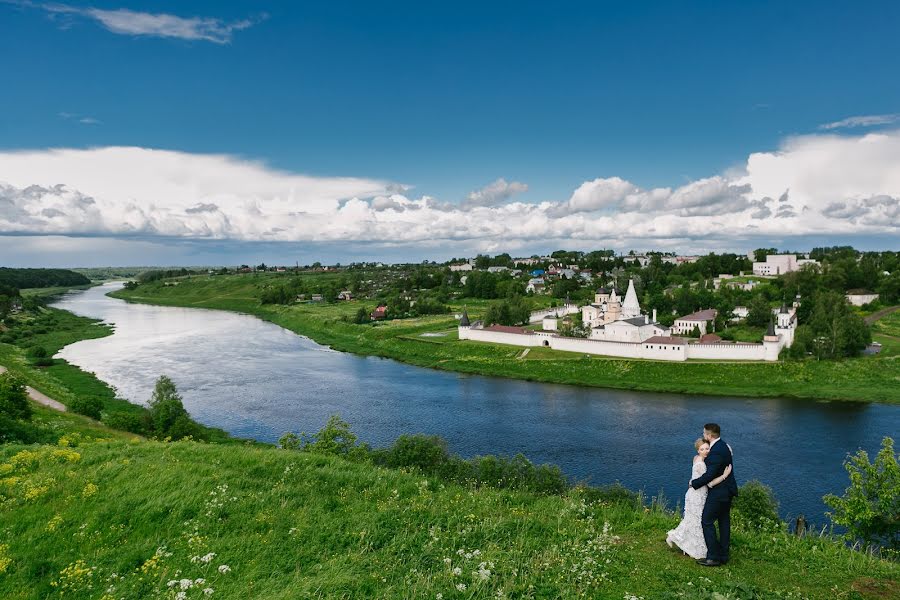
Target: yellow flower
54,523
66,455
89,490
5,560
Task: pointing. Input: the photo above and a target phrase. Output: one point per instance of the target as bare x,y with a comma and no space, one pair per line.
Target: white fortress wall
599,347
735,351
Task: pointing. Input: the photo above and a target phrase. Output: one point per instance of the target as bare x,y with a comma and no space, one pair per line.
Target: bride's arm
721,477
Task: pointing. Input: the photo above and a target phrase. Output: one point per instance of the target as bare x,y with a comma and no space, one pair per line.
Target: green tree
362,316
166,407
870,507
759,313
14,397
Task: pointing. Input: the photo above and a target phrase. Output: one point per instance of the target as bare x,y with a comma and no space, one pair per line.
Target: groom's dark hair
713,428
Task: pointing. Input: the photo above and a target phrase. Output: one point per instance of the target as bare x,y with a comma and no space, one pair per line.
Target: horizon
274,132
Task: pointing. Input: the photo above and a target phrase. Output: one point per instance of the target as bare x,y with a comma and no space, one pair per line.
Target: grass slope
109,518
873,379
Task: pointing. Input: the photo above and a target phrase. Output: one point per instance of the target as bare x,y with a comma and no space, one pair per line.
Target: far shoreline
706,378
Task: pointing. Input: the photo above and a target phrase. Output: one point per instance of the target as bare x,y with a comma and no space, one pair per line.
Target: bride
689,534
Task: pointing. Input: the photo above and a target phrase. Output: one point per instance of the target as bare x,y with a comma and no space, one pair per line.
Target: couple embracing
707,501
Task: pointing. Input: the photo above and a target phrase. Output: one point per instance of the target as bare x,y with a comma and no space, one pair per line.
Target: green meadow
868,379
102,515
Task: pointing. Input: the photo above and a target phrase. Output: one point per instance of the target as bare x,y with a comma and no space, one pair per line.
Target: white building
739,312
860,297
466,266
636,329
535,285
497,269
701,319
779,264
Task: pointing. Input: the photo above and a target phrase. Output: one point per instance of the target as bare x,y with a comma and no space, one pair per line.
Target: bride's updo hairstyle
699,442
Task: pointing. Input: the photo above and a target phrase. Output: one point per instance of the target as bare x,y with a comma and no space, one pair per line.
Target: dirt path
41,398
880,313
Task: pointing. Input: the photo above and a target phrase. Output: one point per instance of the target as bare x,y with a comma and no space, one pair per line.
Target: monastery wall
727,351
600,347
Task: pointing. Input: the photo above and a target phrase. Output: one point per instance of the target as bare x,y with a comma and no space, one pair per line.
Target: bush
756,508
610,494
13,397
126,421
89,406
22,432
870,507
426,452
36,352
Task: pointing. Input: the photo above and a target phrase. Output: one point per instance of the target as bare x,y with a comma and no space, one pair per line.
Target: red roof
665,339
709,338
701,315
507,329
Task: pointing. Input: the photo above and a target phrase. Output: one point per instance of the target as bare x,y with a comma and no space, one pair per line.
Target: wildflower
208,557
199,581
447,561
185,584
207,591
181,596
89,490
457,571
439,596
224,568
461,587
172,583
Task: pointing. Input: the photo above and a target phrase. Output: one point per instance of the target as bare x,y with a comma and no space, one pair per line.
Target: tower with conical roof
631,308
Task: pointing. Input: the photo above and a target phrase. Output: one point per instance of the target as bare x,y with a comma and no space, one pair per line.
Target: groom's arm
715,465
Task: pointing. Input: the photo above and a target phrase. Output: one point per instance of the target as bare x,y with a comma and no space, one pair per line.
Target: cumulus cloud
817,185
493,193
128,22
862,121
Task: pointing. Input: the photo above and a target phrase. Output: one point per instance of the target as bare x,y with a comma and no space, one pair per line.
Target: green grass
871,379
124,518
888,325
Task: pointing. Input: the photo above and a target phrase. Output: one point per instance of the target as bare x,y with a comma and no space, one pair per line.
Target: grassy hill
872,379
101,515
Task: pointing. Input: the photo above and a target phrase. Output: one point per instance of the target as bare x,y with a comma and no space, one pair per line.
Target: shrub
89,406
13,397
870,507
756,508
615,493
126,421
36,352
22,432
426,452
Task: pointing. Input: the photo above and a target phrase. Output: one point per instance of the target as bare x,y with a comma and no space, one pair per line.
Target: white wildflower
224,568
181,596
206,559
172,583
457,571
207,591
185,584
461,587
447,561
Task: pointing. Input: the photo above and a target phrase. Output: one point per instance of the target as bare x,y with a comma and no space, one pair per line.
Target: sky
244,132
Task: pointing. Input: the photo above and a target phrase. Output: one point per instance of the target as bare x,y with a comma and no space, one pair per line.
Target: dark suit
718,502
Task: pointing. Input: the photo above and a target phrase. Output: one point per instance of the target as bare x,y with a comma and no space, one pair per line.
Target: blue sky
448,98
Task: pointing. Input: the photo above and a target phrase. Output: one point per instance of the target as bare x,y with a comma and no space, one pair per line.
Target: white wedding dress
689,534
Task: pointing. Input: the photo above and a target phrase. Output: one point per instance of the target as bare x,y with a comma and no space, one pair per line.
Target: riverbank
141,518
866,379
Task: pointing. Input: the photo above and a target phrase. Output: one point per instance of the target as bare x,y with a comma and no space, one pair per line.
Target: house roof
507,329
464,320
666,339
701,315
709,338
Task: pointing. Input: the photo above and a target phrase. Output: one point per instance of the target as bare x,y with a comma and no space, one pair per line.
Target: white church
619,329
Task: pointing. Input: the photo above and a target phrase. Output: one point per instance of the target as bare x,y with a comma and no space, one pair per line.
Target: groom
718,501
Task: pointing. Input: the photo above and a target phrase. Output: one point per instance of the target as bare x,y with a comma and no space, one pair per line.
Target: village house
700,319
738,313
345,295
497,269
379,314
466,266
317,298
535,285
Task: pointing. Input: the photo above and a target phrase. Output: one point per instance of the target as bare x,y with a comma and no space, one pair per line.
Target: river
257,380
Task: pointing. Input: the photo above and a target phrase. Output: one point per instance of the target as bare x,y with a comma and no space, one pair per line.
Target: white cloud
819,185
129,22
862,121
494,193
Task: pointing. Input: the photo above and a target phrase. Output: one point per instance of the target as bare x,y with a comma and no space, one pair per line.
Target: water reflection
257,380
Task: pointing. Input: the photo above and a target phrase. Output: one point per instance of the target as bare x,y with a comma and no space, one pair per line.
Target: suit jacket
718,458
